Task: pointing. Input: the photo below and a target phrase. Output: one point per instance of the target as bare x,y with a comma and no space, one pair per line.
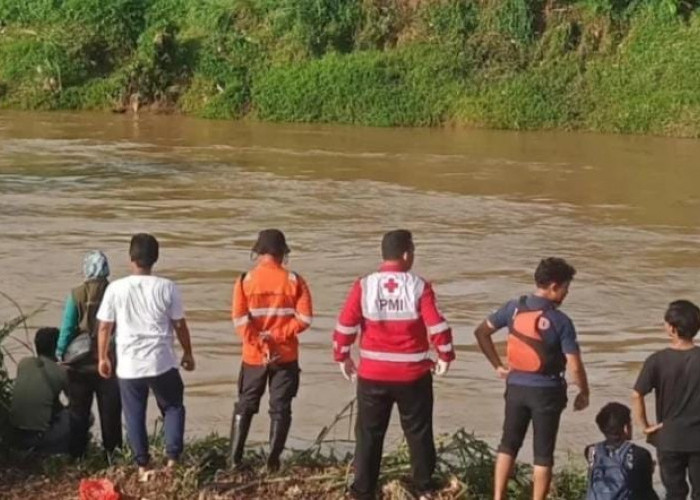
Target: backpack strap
522,304
523,307
600,450
626,455
591,454
623,453
519,307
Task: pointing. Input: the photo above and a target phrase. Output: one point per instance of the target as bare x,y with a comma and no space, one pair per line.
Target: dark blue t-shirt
561,331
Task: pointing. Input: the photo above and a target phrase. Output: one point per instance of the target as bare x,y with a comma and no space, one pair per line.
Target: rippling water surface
484,207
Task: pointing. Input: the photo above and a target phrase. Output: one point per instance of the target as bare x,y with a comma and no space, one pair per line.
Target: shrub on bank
609,65
547,97
652,84
403,87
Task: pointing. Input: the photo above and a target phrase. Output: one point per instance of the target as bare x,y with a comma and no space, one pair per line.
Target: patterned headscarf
95,265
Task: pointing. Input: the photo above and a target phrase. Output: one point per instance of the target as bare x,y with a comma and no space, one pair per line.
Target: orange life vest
271,298
527,350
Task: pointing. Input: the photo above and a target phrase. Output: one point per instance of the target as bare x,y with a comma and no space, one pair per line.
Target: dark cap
272,242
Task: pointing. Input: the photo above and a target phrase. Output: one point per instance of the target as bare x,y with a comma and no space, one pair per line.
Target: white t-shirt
143,308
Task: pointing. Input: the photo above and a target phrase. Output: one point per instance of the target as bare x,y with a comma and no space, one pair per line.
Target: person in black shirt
674,376
615,422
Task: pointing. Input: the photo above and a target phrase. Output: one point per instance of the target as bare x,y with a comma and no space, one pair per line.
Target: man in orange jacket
271,306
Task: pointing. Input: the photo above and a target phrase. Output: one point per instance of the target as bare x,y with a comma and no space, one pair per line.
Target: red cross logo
391,285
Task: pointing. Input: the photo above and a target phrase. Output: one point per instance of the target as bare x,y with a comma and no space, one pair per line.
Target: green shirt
35,393
69,326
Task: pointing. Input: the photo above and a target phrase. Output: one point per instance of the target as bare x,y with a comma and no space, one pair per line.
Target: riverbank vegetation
320,471
603,65
464,470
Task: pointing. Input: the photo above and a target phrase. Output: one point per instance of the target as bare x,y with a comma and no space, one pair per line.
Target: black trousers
375,401
283,380
82,386
676,467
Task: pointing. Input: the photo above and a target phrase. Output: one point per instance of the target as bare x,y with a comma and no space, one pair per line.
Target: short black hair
45,341
553,270
271,242
144,250
684,316
612,419
396,243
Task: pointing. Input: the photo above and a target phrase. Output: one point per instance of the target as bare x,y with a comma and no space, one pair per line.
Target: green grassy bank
606,65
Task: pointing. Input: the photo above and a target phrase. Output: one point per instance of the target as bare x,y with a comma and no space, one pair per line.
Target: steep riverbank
604,65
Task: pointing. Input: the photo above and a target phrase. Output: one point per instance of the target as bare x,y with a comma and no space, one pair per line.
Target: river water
484,206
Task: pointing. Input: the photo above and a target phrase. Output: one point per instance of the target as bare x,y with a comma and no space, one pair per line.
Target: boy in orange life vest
271,306
396,315
541,344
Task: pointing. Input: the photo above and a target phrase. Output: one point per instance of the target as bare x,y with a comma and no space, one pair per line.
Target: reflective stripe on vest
395,357
272,311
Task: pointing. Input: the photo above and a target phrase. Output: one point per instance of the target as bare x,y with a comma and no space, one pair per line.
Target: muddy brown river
484,206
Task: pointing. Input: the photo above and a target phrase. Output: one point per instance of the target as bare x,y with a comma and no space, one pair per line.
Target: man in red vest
396,315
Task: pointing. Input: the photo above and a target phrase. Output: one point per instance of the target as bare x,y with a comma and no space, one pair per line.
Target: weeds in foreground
464,469
6,335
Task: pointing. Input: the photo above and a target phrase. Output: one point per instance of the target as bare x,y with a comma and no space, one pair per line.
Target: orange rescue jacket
527,350
271,299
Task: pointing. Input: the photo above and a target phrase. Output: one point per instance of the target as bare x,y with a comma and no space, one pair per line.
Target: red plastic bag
98,489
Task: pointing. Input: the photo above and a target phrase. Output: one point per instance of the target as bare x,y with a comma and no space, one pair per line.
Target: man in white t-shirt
148,314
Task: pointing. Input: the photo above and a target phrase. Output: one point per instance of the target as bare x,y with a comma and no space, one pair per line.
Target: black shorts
541,405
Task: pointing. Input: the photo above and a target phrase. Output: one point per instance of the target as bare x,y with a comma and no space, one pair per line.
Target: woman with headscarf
77,349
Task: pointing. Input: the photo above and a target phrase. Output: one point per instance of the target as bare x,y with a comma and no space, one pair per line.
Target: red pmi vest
527,350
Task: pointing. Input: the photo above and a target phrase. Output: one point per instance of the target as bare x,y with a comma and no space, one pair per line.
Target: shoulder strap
591,454
625,453
79,294
520,306
522,303
600,450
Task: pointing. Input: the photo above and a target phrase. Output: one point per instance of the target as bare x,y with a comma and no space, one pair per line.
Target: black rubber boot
240,425
279,430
